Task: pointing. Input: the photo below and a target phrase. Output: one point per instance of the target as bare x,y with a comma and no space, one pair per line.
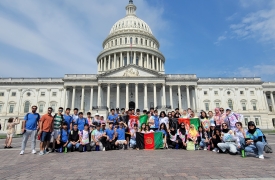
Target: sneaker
215,150
47,151
261,157
22,152
104,149
53,150
33,151
205,149
5,147
41,153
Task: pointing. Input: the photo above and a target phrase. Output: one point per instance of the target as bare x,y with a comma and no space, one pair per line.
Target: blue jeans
257,148
70,145
133,142
202,143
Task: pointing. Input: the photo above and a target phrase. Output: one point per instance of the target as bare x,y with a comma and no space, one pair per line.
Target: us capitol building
131,74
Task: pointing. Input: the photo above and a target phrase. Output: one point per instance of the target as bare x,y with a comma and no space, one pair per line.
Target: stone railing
225,80
30,80
80,76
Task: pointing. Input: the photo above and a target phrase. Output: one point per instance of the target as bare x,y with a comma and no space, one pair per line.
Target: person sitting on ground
85,138
163,129
110,133
193,134
255,141
182,135
10,131
216,138
96,139
74,140
142,128
202,139
173,142
121,135
212,130
240,132
62,139
229,141
133,141
148,129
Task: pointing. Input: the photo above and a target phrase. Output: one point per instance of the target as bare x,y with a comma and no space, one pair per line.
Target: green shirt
57,122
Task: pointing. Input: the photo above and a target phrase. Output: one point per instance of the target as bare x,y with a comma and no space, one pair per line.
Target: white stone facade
133,75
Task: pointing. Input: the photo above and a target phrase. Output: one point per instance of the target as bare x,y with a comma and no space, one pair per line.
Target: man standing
45,130
68,119
57,121
81,121
29,125
112,117
75,115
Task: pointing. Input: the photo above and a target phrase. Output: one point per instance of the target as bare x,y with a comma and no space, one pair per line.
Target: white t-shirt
164,120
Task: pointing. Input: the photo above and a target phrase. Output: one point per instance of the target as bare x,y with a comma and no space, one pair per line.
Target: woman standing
10,131
163,119
205,123
218,118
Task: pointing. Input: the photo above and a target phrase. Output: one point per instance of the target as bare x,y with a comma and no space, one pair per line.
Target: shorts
10,135
56,133
45,136
121,141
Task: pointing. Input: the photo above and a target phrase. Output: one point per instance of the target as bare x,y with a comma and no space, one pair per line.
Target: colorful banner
188,122
133,119
149,140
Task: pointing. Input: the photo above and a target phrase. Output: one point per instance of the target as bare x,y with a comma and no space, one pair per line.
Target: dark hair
122,109
189,109
144,111
148,112
205,115
75,124
201,128
34,106
162,112
75,109
147,126
86,125
241,124
60,108
163,124
80,113
142,125
68,109
138,110
151,108
135,125
215,131
88,113
50,108
10,120
155,111
176,109
176,115
112,109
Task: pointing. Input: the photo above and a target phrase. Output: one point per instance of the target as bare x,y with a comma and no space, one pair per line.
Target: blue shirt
156,120
113,117
31,121
81,123
120,134
256,135
110,133
75,117
64,137
68,119
163,132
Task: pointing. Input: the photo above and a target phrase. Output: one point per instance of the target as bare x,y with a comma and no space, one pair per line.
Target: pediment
131,71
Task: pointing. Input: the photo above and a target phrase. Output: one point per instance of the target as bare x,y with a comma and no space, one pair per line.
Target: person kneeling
62,139
121,135
84,139
74,139
96,139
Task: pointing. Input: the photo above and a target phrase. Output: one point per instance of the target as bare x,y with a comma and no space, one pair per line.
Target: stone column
109,62
147,61
157,64
64,97
108,96
61,90
117,95
121,60
20,101
145,97
37,95
272,101
196,98
265,101
67,98
91,98
141,60
164,96
135,58
98,66
179,96
155,96
115,64
127,96
7,100
188,98
153,62
136,95
99,96
82,99
171,97
128,58
49,97
105,65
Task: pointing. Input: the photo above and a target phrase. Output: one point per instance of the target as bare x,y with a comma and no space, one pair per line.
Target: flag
196,122
149,140
186,121
133,119
143,119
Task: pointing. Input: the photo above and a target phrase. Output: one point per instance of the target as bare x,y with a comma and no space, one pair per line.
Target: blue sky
213,38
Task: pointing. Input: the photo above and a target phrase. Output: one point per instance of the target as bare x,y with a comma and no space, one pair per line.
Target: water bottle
65,150
243,153
208,148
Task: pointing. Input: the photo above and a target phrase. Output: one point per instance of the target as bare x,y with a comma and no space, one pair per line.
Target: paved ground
132,164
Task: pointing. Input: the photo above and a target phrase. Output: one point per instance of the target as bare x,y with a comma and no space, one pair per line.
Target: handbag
190,146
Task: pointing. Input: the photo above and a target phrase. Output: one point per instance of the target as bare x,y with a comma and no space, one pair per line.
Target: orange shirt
47,122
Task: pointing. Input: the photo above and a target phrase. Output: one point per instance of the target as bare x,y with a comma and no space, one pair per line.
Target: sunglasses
221,109
224,125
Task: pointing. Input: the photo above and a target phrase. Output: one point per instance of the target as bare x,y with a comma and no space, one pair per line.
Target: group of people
221,131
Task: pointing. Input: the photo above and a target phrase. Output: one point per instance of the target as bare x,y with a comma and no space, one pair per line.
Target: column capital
127,84
264,92
196,86
145,84
108,84
136,84
99,84
83,87
20,90
179,86
37,89
8,90
187,86
91,86
48,89
163,84
73,87
61,89
118,84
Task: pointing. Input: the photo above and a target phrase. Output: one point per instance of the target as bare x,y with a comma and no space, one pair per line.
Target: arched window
206,105
136,40
125,41
141,41
120,41
254,104
230,104
26,107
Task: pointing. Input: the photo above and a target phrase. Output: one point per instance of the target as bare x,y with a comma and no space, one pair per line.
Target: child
74,139
121,135
63,138
84,137
10,131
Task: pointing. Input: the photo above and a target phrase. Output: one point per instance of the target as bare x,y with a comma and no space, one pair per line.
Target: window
2,93
244,106
136,40
125,41
28,94
254,106
137,61
246,121
26,106
141,41
216,92
270,108
230,104
11,108
206,106
53,106
13,94
268,96
251,92
228,92
241,93
54,93
205,92
41,108
120,41
1,106
257,121
218,105
42,94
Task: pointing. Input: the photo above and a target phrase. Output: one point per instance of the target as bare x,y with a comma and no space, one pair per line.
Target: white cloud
257,70
220,38
66,34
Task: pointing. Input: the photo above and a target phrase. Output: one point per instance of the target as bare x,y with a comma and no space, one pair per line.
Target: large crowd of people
220,132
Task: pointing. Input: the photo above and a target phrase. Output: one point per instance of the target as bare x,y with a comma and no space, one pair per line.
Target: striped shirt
57,122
